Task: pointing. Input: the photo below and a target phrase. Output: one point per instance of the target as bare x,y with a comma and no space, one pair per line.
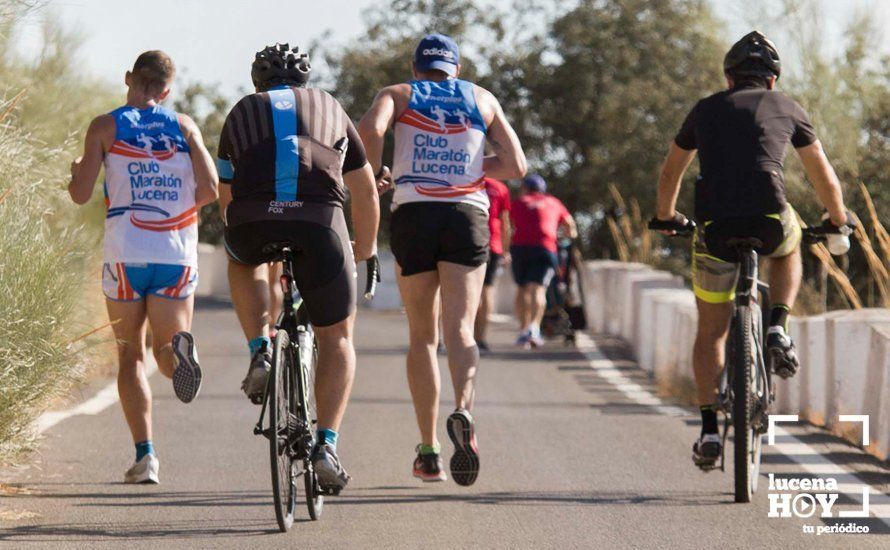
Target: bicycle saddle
746,242
278,249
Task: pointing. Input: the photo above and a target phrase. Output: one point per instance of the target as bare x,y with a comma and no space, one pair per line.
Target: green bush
44,105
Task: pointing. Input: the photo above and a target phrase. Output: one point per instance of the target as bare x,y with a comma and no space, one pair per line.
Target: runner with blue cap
439,229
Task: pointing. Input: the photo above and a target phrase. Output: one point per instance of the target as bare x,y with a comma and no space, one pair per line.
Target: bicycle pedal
330,491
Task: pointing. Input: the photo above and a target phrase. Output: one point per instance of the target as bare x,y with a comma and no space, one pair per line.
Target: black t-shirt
286,150
742,136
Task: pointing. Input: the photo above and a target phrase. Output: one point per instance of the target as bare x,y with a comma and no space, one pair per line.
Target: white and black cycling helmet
753,55
280,65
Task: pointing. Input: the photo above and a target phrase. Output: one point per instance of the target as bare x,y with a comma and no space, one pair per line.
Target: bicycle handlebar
680,230
373,277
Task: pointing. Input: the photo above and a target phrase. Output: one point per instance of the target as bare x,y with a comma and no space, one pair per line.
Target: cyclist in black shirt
287,155
741,135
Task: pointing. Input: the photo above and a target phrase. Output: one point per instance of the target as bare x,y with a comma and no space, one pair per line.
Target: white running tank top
439,146
150,190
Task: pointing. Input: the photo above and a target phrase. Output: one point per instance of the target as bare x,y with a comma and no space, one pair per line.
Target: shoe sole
781,366
152,479
329,482
465,461
707,456
187,376
254,385
431,479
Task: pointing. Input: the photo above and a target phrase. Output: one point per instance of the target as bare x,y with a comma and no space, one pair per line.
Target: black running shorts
426,233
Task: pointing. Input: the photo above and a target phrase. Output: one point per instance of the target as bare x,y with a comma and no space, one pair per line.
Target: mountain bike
746,389
287,415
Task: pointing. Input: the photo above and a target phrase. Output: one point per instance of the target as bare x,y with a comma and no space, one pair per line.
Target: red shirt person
499,227
537,218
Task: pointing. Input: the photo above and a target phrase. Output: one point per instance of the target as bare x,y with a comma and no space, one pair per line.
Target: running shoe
465,462
428,467
331,475
781,350
254,384
187,376
525,339
706,450
144,471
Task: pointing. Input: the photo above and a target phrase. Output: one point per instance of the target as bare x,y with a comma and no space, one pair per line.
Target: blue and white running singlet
439,145
150,190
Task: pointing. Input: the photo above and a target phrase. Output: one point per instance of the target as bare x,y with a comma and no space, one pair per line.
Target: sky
213,41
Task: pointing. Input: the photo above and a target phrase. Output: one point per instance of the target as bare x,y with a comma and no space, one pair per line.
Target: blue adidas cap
439,52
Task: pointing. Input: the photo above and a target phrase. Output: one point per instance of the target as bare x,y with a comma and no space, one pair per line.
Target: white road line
608,370
808,458
103,399
811,461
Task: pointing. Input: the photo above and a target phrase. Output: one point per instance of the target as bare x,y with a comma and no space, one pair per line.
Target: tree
208,108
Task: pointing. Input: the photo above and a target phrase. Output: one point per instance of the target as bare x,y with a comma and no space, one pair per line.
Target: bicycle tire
742,402
284,488
306,413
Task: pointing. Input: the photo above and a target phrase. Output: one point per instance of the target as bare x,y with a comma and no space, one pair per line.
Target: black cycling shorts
491,270
533,265
426,233
324,268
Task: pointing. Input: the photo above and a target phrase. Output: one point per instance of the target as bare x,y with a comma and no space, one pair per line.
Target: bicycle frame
293,319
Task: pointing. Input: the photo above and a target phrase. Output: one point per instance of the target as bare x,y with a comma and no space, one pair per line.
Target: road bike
746,390
287,415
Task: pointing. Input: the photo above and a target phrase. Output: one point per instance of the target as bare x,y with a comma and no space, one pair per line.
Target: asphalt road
567,461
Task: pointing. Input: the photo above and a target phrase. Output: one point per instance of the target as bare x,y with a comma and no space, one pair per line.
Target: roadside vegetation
44,247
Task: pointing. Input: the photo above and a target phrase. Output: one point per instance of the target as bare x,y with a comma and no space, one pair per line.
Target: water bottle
838,244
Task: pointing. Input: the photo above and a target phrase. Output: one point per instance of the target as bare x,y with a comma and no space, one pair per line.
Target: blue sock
144,448
327,436
257,343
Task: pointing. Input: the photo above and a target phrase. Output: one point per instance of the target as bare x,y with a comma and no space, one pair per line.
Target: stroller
565,296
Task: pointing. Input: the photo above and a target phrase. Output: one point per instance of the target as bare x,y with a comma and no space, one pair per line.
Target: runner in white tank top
150,190
440,144
158,173
440,230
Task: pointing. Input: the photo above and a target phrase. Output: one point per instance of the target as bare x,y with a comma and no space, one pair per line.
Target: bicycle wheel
746,451
306,410
284,487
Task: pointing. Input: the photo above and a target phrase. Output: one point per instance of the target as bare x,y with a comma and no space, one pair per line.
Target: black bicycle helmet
279,64
753,55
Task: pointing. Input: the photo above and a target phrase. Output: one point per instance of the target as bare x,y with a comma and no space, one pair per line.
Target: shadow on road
537,498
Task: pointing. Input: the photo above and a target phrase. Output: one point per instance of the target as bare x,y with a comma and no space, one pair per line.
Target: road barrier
845,355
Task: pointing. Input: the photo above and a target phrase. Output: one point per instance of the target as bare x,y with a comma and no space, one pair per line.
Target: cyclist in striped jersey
287,156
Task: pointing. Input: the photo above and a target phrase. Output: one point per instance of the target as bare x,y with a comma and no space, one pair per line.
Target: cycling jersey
536,218
439,146
499,202
284,152
149,190
741,136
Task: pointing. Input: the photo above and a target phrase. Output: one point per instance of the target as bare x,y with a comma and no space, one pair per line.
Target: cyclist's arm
206,178
508,161
675,165
373,126
225,197
825,182
365,210
85,168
